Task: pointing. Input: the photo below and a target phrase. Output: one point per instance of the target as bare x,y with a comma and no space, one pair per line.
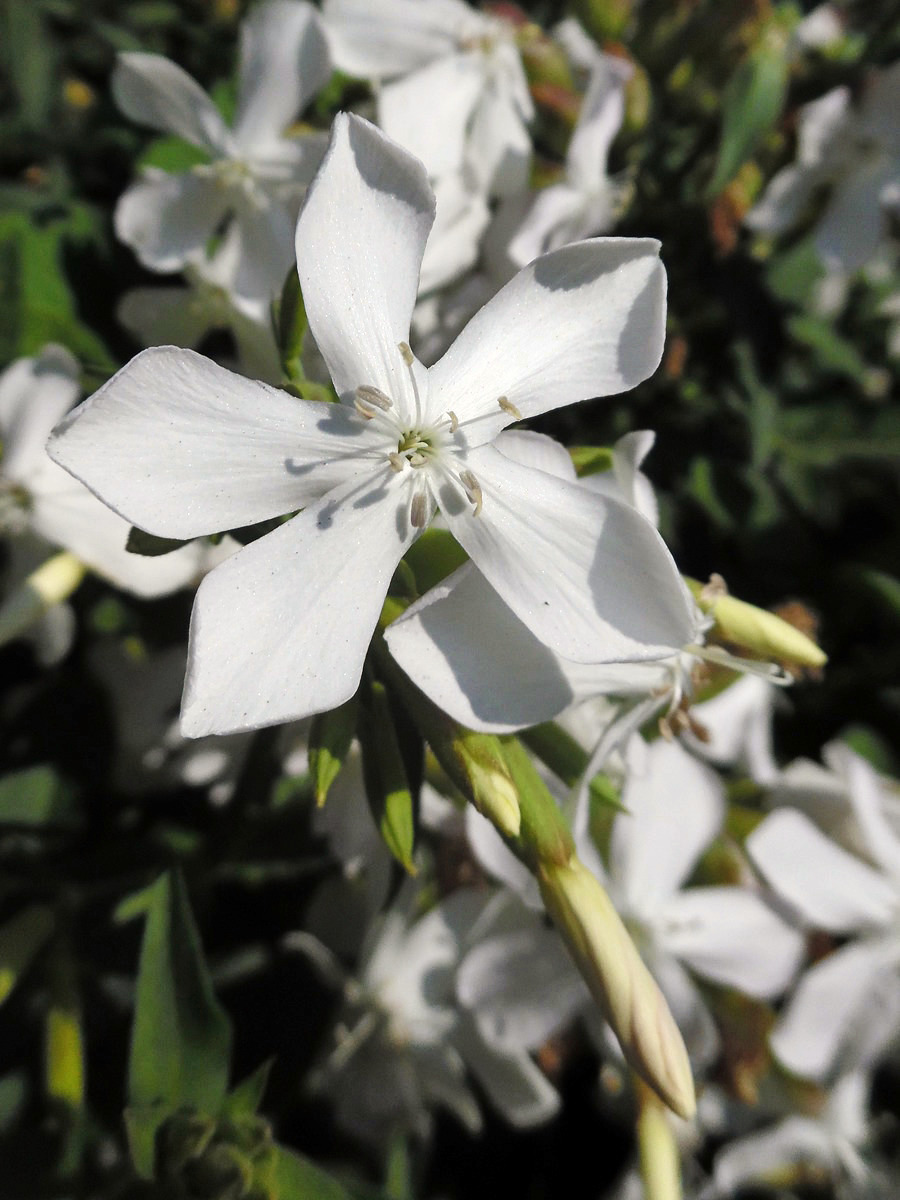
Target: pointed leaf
752,103
181,1036
387,786
330,737
20,940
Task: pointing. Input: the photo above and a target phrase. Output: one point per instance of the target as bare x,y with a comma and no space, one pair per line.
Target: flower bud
494,793
619,981
757,630
52,582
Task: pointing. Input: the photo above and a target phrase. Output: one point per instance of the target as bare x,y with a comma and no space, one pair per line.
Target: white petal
865,790
589,577
675,808
160,316
476,660
783,202
832,998
739,724
729,935
166,219
284,62
154,91
853,223
360,240
587,320
258,250
796,1141
830,888
35,393
281,630
600,119
821,125
375,39
556,217
68,515
428,111
537,451
499,145
521,988
180,446
453,245
515,1084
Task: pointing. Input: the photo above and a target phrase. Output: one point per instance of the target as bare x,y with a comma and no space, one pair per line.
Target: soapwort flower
256,176
181,447
455,89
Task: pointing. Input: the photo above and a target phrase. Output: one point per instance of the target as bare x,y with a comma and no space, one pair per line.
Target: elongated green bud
755,629
54,581
620,983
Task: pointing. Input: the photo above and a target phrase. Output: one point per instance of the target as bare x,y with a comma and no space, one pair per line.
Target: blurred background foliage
778,465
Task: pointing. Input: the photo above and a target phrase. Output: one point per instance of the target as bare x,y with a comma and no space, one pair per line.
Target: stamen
374,396
397,461
454,420
416,459
405,353
473,491
418,513
509,407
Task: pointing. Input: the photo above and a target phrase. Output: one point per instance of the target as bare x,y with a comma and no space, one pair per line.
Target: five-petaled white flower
256,176
181,447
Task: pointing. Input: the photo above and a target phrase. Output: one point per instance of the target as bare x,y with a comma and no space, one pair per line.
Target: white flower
854,151
586,201
404,1044
181,446
846,1008
458,92
830,1140
39,499
255,177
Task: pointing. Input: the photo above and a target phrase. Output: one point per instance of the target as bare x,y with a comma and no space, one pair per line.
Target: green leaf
387,787
37,301
21,939
181,1038
291,328
149,545
36,796
299,1179
172,154
751,105
591,460
833,352
28,58
247,1096
330,737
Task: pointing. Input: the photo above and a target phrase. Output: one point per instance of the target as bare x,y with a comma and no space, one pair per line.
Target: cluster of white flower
442,299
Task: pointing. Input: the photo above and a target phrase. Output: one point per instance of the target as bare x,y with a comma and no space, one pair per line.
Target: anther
509,407
374,396
405,353
417,511
473,491
397,461
454,420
